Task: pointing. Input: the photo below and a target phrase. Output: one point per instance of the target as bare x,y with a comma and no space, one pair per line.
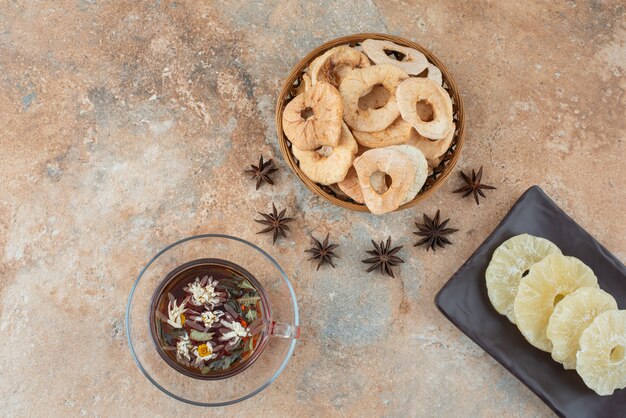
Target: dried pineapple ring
509,263
335,64
413,62
356,84
421,167
313,118
399,165
328,165
547,282
414,91
399,132
571,317
601,361
432,149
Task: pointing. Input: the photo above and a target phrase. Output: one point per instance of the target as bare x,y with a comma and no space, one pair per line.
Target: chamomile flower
237,331
203,352
183,346
208,318
203,292
176,317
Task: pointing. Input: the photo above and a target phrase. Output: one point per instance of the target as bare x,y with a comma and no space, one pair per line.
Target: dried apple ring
399,132
375,98
432,149
378,180
335,64
398,165
328,165
314,118
434,73
410,60
337,191
304,85
351,187
356,84
421,169
416,92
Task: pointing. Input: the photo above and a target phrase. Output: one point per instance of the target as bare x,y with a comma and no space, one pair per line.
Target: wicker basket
440,173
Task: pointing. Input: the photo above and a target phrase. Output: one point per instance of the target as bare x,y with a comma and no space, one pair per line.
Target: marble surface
127,125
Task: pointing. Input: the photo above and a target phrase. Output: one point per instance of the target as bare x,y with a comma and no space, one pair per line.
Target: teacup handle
282,330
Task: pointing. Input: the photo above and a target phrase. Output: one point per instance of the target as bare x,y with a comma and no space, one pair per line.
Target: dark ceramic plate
464,301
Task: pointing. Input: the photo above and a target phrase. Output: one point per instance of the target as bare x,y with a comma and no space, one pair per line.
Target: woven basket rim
295,74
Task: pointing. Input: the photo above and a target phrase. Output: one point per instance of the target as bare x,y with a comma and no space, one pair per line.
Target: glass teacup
179,265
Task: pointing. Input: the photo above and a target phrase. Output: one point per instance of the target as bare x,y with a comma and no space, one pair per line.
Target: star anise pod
434,232
276,223
322,252
473,185
262,172
384,257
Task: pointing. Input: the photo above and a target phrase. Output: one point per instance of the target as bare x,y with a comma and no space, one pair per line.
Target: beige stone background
125,126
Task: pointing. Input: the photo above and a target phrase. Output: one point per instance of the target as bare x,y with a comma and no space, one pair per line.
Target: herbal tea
208,318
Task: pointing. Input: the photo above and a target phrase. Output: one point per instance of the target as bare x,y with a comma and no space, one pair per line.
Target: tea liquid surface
209,318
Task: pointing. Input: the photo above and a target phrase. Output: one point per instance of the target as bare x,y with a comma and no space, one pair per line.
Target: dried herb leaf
162,316
248,300
251,315
249,345
200,336
236,346
221,364
246,284
238,351
195,326
232,306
